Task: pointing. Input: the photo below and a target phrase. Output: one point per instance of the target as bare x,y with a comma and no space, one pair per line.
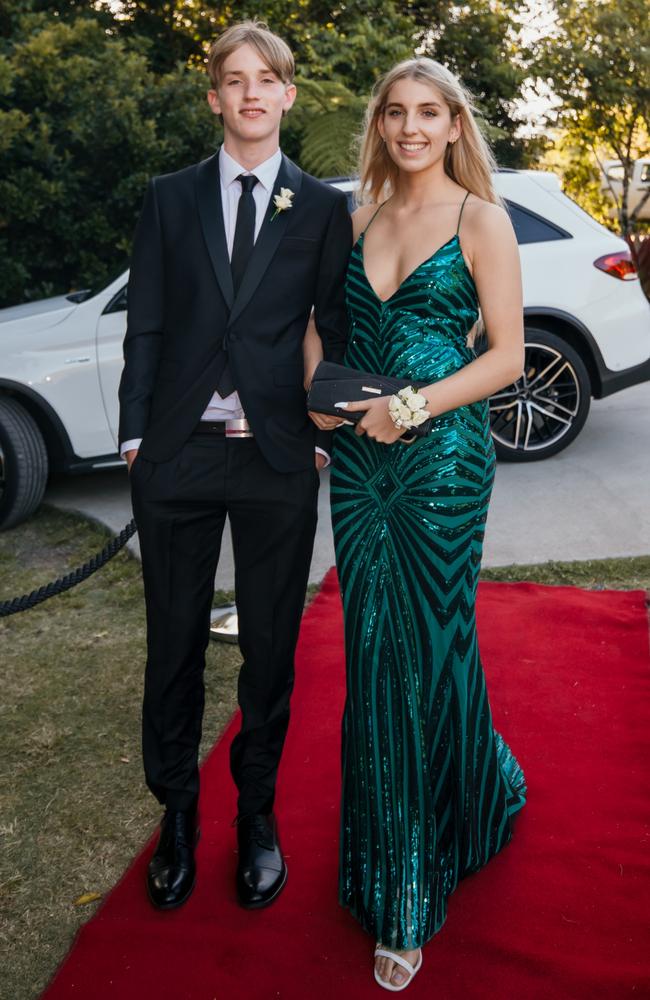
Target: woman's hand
377,423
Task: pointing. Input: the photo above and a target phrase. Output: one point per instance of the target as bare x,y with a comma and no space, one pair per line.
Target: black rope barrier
78,575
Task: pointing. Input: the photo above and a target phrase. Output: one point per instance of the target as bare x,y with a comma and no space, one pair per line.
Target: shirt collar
265,172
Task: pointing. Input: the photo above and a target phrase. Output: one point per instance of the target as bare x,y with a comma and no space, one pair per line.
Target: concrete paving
591,501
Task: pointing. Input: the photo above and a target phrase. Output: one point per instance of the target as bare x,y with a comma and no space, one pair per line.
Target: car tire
24,464
544,411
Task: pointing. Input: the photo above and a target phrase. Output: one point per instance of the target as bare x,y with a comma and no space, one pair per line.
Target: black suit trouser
180,507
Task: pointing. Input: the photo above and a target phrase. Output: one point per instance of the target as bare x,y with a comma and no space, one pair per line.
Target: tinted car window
532,228
117,303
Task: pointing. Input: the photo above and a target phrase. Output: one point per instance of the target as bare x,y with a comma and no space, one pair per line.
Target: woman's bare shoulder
361,217
485,224
485,218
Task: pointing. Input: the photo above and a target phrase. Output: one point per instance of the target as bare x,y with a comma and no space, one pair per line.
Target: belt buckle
238,428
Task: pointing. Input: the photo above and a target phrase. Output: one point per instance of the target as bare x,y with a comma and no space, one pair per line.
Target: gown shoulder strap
373,217
460,214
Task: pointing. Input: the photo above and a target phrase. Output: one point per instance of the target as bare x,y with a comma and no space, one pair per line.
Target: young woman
429,787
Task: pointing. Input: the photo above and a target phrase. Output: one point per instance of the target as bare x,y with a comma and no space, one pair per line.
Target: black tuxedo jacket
183,315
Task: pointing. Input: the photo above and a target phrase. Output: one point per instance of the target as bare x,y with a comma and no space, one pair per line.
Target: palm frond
328,140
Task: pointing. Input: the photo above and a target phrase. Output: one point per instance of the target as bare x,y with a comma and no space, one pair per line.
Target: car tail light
619,265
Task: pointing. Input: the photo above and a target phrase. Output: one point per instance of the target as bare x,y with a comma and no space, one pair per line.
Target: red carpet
562,911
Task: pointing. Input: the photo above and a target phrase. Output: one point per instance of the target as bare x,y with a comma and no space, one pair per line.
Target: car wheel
545,410
23,464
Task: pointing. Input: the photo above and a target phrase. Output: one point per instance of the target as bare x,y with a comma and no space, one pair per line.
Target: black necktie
242,249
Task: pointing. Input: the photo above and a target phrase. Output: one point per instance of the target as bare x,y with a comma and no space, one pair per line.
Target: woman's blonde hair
270,47
468,161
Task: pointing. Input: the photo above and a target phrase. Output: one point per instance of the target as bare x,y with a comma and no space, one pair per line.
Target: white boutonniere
282,201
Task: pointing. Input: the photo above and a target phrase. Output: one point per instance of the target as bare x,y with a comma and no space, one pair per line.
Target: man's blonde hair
271,48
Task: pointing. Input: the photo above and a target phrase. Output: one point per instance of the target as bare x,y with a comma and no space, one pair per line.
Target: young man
230,255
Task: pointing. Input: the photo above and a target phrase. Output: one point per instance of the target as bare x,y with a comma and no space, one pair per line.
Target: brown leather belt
239,428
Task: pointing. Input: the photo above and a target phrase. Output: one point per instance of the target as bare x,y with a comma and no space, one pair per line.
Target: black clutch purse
335,384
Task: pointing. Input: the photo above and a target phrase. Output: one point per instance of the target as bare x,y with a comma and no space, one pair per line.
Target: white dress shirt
229,170
229,407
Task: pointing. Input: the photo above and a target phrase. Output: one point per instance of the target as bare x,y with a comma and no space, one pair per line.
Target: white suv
587,334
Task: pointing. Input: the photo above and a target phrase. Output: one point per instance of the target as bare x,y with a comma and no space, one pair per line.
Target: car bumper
611,382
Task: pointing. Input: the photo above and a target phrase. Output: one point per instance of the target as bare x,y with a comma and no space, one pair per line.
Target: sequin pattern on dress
429,788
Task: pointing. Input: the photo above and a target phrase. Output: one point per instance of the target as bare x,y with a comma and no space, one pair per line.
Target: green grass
631,573
73,802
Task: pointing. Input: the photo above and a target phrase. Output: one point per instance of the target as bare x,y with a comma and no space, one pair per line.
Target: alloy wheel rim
539,409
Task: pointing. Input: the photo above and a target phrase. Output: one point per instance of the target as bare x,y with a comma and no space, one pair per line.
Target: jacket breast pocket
300,244
288,375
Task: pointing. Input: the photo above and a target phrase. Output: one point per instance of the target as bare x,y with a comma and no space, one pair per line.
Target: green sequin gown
429,787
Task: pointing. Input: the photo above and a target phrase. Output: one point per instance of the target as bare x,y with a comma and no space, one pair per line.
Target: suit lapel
208,185
270,234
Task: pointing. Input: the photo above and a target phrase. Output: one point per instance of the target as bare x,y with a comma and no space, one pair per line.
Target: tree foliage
598,63
98,95
481,43
84,123
350,45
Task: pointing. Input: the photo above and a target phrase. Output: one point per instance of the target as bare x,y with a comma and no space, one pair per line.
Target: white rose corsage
407,408
282,201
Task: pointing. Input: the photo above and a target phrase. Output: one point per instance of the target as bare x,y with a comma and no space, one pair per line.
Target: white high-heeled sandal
411,969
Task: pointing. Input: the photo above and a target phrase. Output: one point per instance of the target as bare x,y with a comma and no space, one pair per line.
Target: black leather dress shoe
261,871
172,871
